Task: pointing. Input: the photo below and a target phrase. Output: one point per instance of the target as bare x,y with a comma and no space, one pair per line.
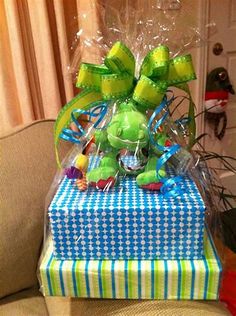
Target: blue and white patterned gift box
127,222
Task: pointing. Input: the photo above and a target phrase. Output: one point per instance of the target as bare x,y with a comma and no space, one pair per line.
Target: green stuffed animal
127,131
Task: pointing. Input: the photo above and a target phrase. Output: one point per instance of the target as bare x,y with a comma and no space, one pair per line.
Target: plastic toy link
127,131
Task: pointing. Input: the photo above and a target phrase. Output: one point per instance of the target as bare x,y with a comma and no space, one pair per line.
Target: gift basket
132,210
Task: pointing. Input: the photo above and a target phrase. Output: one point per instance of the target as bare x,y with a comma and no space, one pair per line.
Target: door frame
202,62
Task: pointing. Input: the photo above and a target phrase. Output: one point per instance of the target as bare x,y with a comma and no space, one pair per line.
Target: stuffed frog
127,131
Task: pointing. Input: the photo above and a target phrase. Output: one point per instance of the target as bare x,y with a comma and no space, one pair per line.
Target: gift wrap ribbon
115,79
169,187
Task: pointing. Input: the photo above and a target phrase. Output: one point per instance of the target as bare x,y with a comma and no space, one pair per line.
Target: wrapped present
126,222
117,229
133,279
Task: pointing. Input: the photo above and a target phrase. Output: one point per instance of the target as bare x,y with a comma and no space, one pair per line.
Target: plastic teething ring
142,161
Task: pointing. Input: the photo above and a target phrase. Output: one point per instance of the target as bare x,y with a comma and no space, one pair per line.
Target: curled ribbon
115,80
169,187
98,112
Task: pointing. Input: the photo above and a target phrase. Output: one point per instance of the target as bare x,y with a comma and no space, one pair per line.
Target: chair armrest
27,169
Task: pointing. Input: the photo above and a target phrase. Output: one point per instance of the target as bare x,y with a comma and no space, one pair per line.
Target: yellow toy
82,162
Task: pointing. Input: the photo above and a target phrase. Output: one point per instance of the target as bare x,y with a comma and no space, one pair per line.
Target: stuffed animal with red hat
218,87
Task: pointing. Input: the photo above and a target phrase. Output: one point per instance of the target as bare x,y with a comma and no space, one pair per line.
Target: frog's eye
141,135
119,132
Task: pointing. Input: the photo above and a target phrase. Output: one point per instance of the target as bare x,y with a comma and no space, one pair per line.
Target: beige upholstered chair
27,169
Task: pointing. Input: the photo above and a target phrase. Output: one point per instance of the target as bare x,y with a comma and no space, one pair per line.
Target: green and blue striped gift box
133,279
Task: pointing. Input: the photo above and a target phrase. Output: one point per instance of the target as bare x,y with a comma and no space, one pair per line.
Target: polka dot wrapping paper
126,222
133,279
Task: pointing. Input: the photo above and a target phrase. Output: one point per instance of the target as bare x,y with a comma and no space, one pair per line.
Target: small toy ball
73,173
82,162
82,183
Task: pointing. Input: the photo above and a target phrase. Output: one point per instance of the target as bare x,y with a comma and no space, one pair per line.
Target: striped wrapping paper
133,279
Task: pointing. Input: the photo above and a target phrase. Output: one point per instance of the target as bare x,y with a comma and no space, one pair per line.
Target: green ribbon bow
116,79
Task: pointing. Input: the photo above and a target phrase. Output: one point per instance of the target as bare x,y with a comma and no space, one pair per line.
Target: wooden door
223,13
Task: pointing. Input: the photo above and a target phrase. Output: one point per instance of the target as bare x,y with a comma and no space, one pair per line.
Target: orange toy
82,183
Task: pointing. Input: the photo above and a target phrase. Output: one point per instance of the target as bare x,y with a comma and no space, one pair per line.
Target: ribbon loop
181,70
90,76
116,86
148,94
156,63
120,59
